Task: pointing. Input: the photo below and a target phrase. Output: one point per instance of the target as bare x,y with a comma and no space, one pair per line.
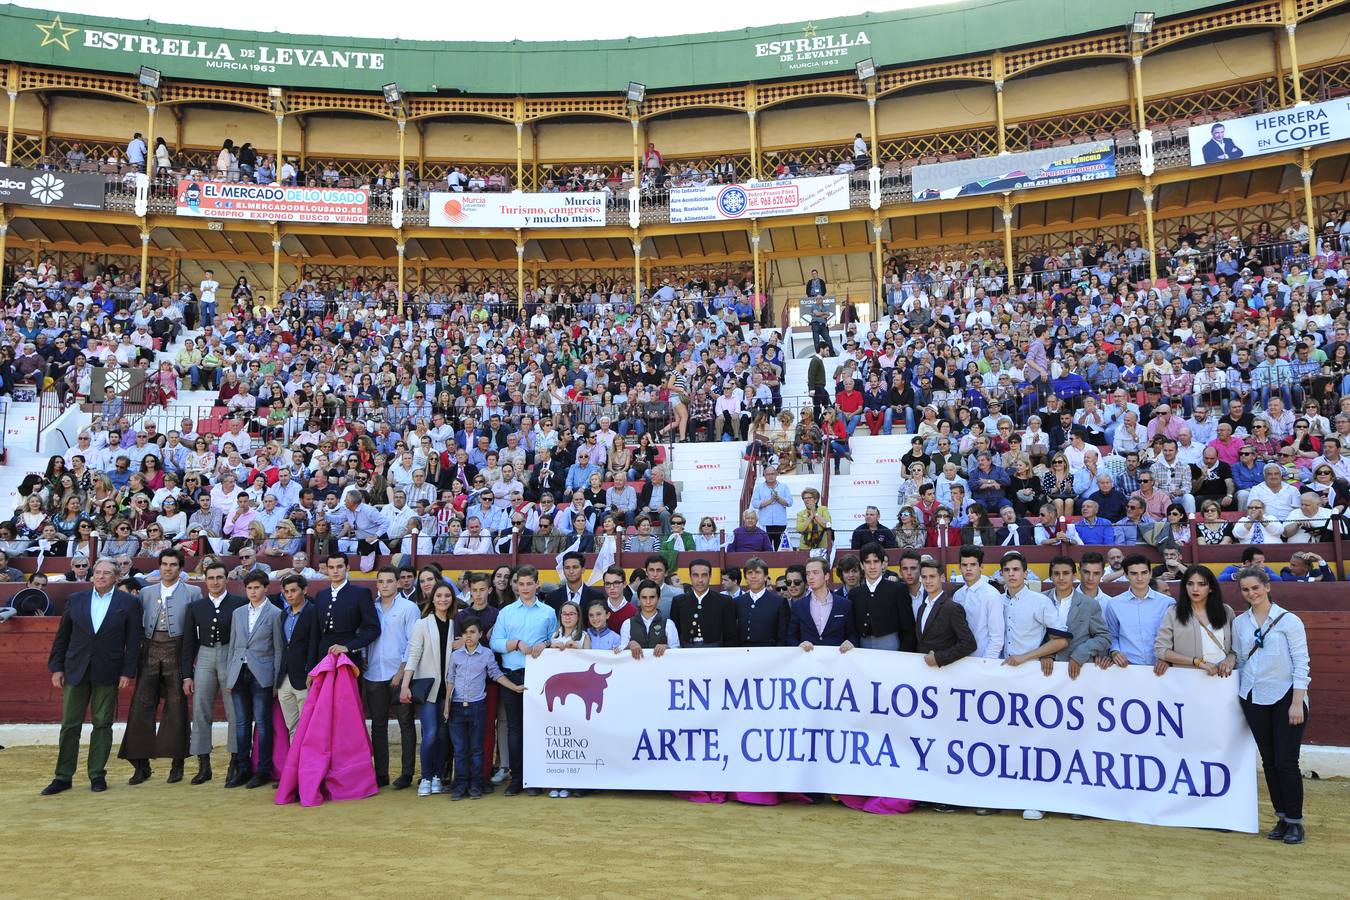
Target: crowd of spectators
1081,404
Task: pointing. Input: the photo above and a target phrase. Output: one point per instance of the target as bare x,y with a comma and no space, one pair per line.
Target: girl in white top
569,635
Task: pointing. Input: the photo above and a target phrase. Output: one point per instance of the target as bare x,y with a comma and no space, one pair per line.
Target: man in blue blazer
835,612
762,613
94,655
347,618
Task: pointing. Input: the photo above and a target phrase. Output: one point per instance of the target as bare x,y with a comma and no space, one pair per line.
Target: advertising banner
1121,744
36,187
1092,161
462,210
1285,129
758,199
272,203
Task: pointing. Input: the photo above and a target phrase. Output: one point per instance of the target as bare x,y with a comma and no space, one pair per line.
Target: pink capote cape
879,806
754,798
330,758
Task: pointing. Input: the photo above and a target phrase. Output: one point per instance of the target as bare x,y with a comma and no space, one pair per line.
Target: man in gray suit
205,663
1079,615
257,642
159,677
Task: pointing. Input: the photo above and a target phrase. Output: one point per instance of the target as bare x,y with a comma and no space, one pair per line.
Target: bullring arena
318,353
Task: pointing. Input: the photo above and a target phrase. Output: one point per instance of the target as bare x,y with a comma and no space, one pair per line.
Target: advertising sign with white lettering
272,203
1285,129
758,199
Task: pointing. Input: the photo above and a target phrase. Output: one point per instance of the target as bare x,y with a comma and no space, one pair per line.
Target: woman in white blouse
1273,678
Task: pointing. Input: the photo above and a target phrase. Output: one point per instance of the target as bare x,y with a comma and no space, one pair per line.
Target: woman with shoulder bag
1198,631
424,682
1273,678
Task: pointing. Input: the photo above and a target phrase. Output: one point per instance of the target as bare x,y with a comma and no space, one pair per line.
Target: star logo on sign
56,33
810,29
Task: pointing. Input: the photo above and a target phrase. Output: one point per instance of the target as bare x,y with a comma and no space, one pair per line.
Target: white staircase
709,479
21,458
872,479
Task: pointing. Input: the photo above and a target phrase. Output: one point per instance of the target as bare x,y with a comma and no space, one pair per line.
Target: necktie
162,621
918,620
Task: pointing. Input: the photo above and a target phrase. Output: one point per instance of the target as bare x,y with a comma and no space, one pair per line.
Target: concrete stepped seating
709,477
872,478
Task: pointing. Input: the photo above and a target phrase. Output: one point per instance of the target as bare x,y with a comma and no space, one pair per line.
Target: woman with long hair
424,682
500,594
1197,632
909,532
428,579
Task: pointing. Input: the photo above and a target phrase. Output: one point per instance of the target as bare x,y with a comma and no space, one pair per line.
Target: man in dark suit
761,613
657,498
944,634
704,617
456,467
1218,147
549,477
94,655
206,642
882,615
347,618
1013,532
300,630
573,587
805,627
820,318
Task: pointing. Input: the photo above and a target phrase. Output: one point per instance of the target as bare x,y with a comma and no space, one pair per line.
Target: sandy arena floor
158,840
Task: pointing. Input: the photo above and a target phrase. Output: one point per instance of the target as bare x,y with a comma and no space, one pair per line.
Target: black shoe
259,779
234,764
98,785
382,781
475,793
203,769
403,782
175,772
943,808
141,774
1294,835
56,787
458,794
534,792
487,788
1279,831
512,790
240,776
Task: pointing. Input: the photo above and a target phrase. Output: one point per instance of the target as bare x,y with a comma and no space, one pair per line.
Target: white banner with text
449,209
758,199
1270,132
1121,744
